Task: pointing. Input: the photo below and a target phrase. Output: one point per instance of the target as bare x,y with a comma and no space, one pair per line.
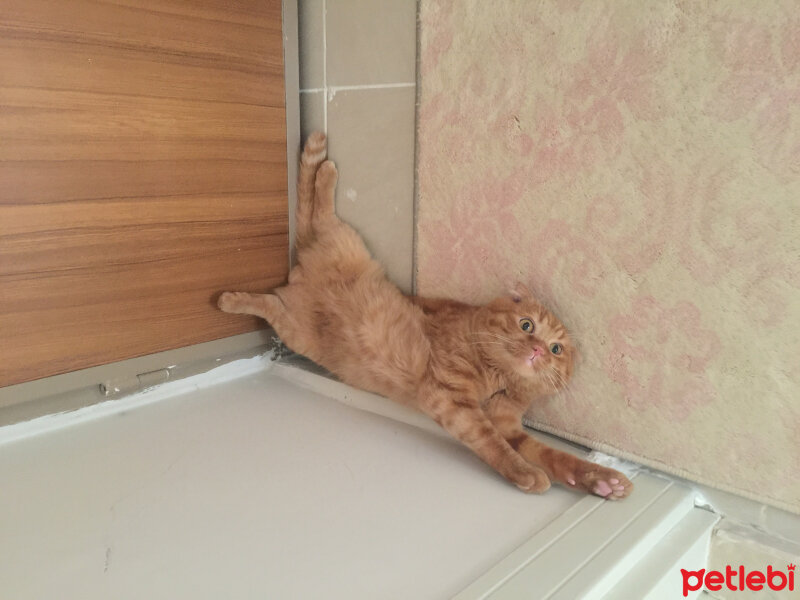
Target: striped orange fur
473,369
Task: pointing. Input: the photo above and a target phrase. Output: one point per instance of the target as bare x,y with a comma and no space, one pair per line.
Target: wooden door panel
85,126
142,170
61,67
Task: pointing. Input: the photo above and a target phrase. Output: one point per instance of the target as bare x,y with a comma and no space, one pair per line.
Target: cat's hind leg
313,154
341,249
324,197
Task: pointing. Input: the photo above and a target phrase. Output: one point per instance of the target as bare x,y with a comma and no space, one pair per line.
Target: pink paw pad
602,488
571,481
613,481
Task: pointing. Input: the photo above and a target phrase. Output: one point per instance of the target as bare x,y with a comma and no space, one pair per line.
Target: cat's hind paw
327,175
315,150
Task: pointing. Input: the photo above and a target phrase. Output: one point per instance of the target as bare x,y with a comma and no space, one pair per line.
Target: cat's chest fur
500,388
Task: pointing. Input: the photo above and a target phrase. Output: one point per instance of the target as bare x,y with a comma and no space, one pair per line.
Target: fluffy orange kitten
473,369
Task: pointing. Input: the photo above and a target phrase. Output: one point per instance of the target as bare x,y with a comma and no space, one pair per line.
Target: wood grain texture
142,171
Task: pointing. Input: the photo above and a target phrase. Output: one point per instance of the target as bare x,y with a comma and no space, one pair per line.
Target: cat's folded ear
519,292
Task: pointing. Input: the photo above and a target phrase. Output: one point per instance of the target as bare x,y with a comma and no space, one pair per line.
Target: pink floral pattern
675,346
474,232
639,165
557,248
762,87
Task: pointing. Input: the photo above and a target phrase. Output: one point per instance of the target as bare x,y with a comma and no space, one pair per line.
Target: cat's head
520,335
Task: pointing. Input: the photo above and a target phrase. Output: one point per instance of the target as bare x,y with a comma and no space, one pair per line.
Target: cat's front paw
600,481
533,481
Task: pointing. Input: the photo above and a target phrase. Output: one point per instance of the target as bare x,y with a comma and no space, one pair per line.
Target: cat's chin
529,368
532,362
532,371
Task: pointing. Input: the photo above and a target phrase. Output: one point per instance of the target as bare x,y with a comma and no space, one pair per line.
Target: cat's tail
313,154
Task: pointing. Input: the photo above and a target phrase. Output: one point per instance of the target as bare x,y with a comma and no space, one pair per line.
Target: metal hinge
128,385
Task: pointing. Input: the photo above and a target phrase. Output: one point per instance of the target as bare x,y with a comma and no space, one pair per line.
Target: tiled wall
357,83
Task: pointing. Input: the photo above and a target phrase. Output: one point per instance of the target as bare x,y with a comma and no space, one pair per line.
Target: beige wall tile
311,113
310,28
371,139
371,41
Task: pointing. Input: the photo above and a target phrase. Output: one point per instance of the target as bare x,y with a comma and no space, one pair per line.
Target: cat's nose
537,351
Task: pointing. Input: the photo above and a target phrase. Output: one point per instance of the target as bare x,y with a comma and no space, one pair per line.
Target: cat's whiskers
487,343
559,394
484,343
558,376
565,389
495,335
551,380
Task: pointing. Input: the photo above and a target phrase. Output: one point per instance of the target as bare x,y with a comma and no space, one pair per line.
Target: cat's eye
526,325
556,348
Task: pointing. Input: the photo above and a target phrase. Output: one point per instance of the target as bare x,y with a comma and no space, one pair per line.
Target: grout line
325,66
415,192
372,86
346,88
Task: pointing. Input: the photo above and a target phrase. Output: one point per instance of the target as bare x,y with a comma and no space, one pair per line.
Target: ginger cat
473,369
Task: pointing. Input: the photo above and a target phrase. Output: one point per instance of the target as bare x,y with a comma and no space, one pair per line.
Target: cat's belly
373,338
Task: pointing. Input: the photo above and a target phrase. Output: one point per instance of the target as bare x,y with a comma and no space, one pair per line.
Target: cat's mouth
532,359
